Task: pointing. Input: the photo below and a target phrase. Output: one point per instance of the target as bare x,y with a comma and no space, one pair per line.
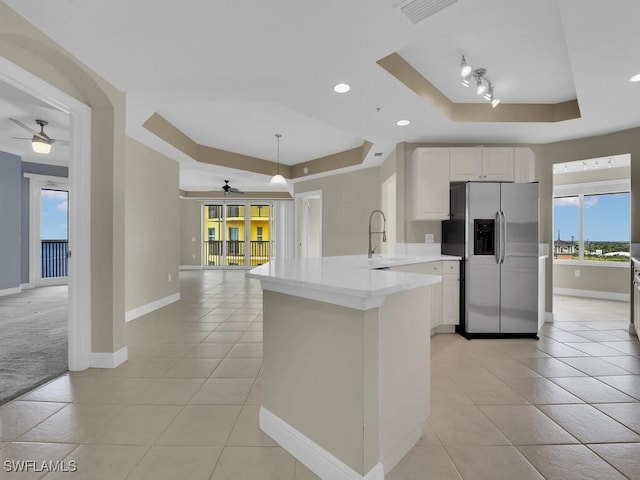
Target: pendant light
278,179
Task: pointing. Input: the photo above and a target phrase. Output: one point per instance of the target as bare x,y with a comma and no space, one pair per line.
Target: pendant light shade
278,179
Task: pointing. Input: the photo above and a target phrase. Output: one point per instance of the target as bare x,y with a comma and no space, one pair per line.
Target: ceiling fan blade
20,124
22,138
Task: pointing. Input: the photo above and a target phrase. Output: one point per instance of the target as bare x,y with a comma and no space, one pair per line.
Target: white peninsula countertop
353,281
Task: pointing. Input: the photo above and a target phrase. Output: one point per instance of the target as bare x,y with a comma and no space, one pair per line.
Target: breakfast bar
346,362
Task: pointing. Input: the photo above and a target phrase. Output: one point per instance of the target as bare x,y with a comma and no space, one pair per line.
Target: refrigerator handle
497,239
503,241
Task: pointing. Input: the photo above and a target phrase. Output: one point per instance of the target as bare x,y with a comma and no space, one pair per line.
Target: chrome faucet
383,232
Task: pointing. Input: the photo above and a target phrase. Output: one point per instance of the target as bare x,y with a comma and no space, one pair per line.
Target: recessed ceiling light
341,88
403,123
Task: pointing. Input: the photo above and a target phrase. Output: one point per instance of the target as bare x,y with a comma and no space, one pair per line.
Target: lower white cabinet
445,296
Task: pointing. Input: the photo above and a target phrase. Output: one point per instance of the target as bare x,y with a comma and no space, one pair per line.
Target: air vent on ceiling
377,154
418,10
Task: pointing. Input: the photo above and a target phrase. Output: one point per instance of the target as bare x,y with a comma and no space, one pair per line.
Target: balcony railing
259,252
53,258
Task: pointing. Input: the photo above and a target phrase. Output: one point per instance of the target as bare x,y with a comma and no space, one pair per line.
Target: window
212,234
215,211
259,233
233,211
592,227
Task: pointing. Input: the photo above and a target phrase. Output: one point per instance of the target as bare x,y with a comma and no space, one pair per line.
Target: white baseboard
150,307
26,286
10,291
548,317
190,267
443,329
621,297
312,455
108,360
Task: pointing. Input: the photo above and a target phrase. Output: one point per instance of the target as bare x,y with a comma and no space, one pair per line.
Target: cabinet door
497,164
450,293
465,164
429,184
524,165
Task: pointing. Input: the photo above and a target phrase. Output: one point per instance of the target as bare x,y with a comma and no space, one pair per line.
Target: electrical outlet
576,272
169,277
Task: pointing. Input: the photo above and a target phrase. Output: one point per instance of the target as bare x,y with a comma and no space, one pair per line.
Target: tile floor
186,403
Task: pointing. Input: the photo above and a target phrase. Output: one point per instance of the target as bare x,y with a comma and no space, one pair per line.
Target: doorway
237,234
309,224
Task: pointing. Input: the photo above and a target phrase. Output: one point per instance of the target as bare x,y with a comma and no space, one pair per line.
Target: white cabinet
524,165
483,164
450,293
445,296
428,181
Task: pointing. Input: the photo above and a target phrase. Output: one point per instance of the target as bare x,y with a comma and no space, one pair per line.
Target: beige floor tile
557,349
170,463
75,423
144,367
550,367
246,350
595,349
18,417
112,390
591,390
429,437
541,391
424,462
167,350
569,462
464,425
255,394
59,390
251,337
179,335
588,424
494,392
251,463
246,431
255,327
510,368
628,362
237,368
565,336
223,337
626,413
623,456
223,391
492,463
303,473
629,384
136,425
598,335
38,452
193,368
594,366
103,462
234,327
201,425
210,350
526,425
169,391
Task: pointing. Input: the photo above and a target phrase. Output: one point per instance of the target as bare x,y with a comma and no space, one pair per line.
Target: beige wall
593,278
347,201
27,47
152,223
190,228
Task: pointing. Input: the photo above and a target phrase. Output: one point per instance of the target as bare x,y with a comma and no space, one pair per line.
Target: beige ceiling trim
246,196
162,128
476,112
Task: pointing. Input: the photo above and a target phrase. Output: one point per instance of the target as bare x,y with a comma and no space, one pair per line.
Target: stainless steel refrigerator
494,228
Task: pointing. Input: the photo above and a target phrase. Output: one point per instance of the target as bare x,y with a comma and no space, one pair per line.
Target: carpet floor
33,339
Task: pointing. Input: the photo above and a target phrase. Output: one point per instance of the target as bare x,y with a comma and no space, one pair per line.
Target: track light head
465,70
495,102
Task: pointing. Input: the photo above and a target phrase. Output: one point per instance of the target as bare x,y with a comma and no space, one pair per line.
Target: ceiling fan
228,189
40,141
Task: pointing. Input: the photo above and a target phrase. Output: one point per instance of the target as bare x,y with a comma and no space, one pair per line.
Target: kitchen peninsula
346,361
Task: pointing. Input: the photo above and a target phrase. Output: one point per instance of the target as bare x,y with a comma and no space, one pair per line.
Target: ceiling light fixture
403,123
484,86
40,145
278,179
341,88
635,78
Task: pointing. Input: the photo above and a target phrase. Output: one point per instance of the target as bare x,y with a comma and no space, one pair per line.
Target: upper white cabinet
524,165
480,164
429,184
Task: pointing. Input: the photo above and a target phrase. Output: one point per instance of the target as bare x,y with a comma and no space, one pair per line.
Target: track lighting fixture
483,86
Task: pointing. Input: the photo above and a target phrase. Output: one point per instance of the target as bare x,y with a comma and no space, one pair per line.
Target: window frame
581,190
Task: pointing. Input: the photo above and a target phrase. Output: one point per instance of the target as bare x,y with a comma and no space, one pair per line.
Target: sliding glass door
237,234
